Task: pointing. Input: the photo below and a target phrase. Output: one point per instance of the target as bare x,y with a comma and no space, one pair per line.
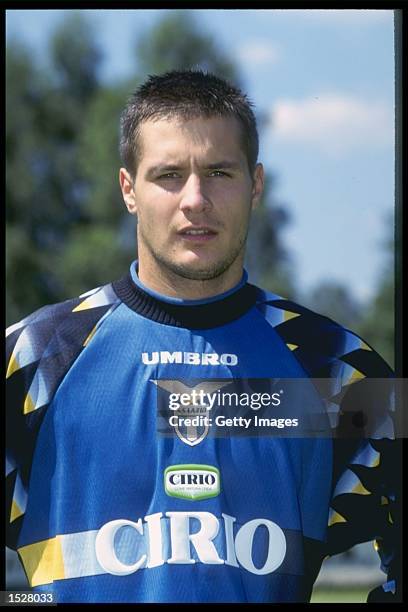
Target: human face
193,195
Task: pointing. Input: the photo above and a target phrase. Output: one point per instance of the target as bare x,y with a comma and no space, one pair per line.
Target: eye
218,173
169,175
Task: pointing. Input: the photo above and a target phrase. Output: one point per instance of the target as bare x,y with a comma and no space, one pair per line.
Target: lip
197,237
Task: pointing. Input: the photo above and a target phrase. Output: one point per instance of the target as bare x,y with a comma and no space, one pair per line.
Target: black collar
202,316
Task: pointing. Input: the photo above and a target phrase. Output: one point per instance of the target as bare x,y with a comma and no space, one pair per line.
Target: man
104,506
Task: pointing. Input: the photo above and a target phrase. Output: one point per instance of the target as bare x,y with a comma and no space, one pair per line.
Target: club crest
196,411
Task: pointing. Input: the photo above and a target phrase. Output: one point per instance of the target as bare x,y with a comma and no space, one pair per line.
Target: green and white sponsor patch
192,482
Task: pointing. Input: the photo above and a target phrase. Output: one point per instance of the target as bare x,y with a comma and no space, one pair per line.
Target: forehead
165,138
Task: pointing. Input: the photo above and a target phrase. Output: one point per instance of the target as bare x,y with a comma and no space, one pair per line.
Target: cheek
237,196
237,209
155,215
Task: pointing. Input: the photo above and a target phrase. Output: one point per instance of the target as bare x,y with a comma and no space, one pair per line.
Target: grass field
339,595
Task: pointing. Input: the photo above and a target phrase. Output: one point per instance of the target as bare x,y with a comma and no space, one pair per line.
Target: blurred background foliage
67,229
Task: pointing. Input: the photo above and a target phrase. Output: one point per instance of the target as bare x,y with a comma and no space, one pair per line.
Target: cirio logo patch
193,482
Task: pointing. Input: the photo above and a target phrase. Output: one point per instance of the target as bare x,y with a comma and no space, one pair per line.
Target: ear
258,185
128,194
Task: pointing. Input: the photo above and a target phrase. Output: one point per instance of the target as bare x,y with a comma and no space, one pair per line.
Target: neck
167,282
174,311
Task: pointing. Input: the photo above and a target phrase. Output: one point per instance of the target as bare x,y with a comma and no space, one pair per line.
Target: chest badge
193,482
191,420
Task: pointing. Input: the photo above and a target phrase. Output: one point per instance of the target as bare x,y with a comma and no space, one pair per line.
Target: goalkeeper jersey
103,508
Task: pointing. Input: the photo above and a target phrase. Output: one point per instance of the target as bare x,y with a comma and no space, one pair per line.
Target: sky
325,81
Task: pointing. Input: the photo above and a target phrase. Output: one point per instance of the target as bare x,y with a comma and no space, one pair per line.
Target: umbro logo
228,359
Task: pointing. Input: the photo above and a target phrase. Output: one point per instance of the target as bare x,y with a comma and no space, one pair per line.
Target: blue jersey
102,508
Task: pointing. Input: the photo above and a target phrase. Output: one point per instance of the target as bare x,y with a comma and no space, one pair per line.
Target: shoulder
318,341
288,316
57,329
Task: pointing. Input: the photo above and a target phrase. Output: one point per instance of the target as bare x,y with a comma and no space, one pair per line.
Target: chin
198,262
199,270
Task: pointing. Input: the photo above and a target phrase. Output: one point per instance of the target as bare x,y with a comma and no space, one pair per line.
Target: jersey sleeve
366,489
366,500
40,350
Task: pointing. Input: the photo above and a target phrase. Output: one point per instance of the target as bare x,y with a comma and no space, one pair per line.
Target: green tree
335,300
45,183
28,222
378,326
76,60
178,43
378,323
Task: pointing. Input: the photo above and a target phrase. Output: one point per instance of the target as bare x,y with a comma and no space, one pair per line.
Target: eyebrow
227,165
224,164
167,168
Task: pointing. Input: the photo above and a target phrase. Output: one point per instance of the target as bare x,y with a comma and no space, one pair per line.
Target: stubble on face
196,272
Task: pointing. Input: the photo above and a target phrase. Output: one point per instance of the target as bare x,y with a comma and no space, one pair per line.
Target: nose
193,197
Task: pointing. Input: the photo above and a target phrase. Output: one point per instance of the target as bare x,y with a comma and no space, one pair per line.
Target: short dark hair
187,95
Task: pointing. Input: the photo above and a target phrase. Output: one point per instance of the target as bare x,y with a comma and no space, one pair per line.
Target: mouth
197,234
